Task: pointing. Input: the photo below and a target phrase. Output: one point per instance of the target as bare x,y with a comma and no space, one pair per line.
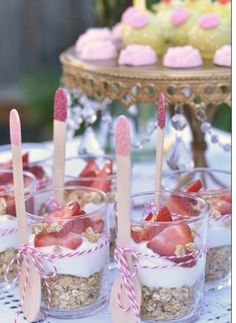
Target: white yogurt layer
218,234
7,241
81,266
167,277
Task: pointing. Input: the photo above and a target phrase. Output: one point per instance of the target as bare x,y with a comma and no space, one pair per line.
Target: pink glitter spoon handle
161,120
129,295
59,138
30,295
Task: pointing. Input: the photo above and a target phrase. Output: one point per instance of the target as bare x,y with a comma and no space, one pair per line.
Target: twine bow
127,286
30,254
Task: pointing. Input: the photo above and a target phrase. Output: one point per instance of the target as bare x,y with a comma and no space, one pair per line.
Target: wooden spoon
31,296
123,222
161,120
59,138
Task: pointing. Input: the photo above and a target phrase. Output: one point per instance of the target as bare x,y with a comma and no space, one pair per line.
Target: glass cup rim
31,145
191,170
89,214
32,184
204,213
109,177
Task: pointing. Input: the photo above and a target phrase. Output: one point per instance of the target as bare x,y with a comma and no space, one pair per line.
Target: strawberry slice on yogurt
175,240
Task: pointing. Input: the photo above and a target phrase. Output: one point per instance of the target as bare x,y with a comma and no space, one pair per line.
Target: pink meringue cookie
209,20
92,34
135,18
222,56
179,16
137,55
98,50
182,57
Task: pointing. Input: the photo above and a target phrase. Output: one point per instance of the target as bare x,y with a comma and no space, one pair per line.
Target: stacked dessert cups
70,230
214,186
36,159
98,173
9,242
170,249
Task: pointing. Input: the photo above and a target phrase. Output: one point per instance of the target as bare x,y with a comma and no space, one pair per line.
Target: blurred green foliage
38,93
222,119
109,11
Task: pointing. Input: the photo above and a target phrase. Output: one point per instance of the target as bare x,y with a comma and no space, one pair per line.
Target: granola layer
169,303
71,292
218,263
5,258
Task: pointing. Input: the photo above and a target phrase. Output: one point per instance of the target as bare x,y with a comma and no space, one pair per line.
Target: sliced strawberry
90,175
164,215
226,197
91,168
103,184
193,187
70,240
150,217
6,178
221,206
11,206
25,159
98,226
81,225
165,243
37,171
71,209
180,205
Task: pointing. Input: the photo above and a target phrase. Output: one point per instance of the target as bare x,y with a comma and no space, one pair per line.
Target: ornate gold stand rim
110,68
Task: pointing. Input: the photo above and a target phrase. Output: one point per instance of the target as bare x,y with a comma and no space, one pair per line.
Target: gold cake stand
195,88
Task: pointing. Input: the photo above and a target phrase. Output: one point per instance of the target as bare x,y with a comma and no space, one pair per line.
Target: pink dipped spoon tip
161,115
60,105
15,128
122,136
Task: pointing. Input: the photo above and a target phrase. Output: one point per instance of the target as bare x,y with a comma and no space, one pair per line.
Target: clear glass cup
73,222
217,192
37,159
77,172
171,255
9,242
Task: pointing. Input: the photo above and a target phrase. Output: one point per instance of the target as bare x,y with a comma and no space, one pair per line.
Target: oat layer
5,258
218,263
169,303
71,292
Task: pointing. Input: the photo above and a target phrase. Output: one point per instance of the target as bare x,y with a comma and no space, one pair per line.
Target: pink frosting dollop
182,57
137,55
92,34
179,16
209,20
135,18
222,56
98,50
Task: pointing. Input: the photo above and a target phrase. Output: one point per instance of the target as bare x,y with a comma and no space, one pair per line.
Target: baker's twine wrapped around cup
127,286
121,257
39,259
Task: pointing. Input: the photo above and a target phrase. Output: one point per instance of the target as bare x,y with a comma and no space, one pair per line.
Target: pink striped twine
30,253
219,217
121,258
